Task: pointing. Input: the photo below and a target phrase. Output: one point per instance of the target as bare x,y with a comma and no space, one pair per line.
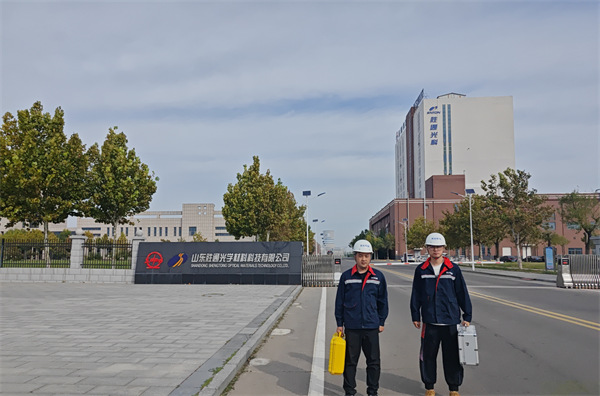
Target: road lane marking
316,385
539,311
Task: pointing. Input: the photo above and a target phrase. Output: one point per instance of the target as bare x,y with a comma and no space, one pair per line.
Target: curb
222,379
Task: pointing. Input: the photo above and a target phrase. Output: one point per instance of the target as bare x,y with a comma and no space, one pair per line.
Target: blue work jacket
361,304
439,299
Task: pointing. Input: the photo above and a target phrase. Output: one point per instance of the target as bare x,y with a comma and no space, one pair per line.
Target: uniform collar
369,270
446,262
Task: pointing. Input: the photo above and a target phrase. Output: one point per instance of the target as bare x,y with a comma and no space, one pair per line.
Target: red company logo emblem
154,260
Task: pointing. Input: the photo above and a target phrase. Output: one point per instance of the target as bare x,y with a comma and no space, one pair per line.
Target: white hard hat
363,246
435,239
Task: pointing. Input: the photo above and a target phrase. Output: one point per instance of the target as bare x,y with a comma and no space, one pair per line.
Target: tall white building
454,134
328,240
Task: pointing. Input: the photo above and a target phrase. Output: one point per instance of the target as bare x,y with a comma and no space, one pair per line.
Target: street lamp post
307,195
470,192
405,223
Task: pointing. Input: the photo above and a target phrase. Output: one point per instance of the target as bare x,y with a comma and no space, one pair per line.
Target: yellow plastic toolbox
337,354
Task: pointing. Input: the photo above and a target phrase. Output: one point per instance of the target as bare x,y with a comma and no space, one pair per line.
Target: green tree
375,241
520,208
258,207
388,242
64,235
584,211
290,225
455,227
120,185
487,226
42,173
492,230
418,231
197,237
362,235
88,234
551,238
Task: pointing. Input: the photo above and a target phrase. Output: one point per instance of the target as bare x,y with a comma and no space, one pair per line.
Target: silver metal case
468,351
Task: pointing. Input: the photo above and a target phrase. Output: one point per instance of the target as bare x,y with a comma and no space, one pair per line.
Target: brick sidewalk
120,339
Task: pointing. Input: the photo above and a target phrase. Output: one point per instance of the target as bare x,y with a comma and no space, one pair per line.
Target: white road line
317,373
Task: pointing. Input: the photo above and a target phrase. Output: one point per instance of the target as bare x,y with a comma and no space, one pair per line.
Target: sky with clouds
316,89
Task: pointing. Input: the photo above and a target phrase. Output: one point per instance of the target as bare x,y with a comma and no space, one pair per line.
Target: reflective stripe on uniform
352,281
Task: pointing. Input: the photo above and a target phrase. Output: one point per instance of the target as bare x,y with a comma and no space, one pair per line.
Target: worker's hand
381,329
417,324
465,323
340,330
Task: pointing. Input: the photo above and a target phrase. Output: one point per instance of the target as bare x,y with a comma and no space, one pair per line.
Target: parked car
535,259
508,259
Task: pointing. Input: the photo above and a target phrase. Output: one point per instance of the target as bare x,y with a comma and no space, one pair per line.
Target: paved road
535,339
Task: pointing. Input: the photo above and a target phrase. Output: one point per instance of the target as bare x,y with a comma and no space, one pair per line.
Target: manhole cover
259,362
278,332
213,295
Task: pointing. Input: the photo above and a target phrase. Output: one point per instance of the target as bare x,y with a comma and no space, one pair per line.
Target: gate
580,271
318,271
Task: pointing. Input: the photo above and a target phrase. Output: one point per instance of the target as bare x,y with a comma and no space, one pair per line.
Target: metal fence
107,255
585,270
318,271
34,254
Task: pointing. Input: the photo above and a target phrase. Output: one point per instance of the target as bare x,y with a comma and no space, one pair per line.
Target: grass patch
216,370
539,268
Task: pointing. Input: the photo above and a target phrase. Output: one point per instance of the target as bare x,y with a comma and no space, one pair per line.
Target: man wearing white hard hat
361,308
439,294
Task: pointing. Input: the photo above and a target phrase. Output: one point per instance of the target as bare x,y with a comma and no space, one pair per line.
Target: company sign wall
261,263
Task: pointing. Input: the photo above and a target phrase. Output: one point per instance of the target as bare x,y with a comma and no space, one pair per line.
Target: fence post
135,244
1,252
77,241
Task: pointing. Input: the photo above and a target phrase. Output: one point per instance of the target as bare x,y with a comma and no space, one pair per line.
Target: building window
159,231
575,251
573,226
551,225
166,231
192,231
222,234
154,231
148,231
179,231
220,228
126,231
107,231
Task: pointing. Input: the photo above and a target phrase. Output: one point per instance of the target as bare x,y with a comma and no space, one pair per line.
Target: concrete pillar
136,240
77,241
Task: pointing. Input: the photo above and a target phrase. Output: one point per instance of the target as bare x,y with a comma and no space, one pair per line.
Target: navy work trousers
366,340
431,337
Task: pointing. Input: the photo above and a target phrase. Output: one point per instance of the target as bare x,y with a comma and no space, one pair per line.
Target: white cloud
316,89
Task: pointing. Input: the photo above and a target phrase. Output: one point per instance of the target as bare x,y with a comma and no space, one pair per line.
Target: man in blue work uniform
439,293
361,307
